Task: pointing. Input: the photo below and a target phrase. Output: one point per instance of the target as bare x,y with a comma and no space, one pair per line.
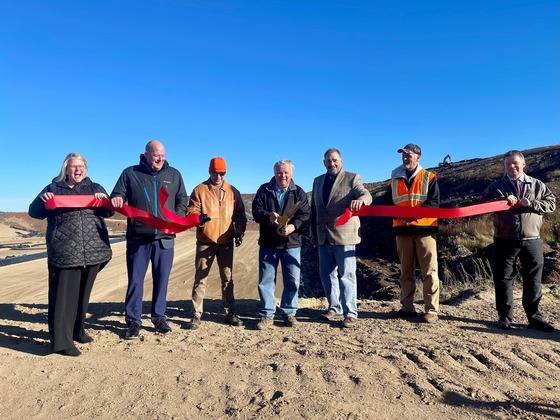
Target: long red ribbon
422,212
174,224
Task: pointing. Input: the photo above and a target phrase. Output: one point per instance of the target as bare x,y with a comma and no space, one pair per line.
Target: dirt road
460,368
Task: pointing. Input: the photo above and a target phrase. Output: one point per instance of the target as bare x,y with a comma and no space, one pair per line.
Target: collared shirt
219,192
521,178
280,194
518,184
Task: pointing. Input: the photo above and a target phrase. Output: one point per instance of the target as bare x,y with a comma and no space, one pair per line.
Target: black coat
266,202
75,237
139,187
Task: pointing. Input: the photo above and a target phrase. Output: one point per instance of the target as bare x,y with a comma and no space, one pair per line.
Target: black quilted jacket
75,237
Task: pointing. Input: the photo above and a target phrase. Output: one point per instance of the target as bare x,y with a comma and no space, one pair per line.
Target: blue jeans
291,267
138,255
337,267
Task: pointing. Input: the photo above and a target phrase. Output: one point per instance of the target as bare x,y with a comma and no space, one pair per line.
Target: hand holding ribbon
421,212
174,224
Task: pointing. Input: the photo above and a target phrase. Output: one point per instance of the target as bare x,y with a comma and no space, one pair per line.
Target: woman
77,248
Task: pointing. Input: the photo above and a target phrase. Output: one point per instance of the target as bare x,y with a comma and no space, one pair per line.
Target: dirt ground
460,368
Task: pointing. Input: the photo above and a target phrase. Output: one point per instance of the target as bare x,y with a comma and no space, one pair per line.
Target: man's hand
513,201
203,219
356,205
273,216
238,239
288,230
117,202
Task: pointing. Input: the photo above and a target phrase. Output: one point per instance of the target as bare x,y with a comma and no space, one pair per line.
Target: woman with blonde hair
77,249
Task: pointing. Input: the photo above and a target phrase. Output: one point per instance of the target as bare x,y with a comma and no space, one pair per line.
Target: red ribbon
173,225
422,212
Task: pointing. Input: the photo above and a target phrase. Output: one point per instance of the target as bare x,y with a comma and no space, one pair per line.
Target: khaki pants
422,248
205,254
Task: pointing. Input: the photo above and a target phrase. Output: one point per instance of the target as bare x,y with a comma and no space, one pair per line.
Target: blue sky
258,81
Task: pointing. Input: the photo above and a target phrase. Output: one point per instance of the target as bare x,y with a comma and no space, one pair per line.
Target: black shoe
70,351
84,339
504,324
541,325
401,313
133,332
194,324
234,320
162,326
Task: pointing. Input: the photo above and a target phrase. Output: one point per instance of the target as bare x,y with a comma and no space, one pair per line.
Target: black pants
69,293
531,259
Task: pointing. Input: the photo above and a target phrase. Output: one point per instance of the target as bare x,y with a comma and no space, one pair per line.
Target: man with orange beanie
222,203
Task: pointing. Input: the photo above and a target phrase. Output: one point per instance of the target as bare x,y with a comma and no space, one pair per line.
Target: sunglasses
218,173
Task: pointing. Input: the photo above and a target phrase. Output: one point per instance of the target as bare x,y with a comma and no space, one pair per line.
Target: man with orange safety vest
413,186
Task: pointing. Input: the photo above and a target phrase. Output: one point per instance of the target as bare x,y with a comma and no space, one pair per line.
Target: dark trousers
138,255
69,293
531,259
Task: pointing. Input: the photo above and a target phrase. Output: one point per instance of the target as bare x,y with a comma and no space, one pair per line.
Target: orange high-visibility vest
414,197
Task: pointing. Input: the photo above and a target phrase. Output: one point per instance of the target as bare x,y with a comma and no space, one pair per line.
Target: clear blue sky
257,81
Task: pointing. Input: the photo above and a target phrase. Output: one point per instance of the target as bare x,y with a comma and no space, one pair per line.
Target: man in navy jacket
139,186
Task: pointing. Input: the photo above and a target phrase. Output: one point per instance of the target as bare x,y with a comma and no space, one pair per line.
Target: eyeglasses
81,167
222,174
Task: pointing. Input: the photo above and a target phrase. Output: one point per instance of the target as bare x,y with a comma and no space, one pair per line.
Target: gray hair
283,162
74,155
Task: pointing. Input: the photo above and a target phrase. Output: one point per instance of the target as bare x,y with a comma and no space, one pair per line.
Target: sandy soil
460,368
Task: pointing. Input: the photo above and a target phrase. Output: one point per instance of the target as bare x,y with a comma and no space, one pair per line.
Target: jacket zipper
156,204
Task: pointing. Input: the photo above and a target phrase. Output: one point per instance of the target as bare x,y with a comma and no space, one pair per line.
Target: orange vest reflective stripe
414,197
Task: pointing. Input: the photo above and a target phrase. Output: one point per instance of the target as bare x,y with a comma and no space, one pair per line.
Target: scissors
284,220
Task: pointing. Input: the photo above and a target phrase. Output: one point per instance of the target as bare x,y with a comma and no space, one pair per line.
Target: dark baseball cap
410,148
